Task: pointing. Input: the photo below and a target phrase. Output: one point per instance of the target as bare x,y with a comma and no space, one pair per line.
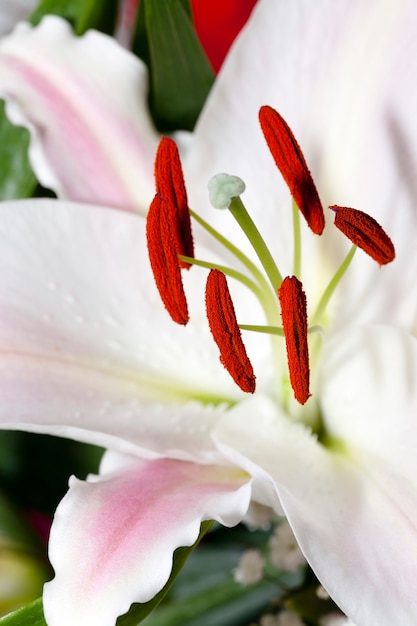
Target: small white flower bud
284,551
284,618
250,569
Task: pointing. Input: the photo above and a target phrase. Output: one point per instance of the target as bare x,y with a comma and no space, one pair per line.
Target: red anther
226,332
170,186
365,232
293,167
161,235
294,321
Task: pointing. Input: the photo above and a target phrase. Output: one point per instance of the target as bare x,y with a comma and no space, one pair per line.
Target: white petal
108,409
353,512
76,282
112,540
369,395
356,125
86,347
84,101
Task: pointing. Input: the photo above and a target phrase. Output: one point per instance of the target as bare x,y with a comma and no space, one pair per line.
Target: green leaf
205,593
29,615
228,603
180,74
83,14
32,614
16,177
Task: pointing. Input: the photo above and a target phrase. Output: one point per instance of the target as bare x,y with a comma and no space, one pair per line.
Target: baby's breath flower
250,569
285,618
258,517
284,551
322,593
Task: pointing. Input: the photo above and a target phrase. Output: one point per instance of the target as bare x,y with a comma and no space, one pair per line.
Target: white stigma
222,188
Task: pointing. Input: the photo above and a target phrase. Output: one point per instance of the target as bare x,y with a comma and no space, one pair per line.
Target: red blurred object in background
217,23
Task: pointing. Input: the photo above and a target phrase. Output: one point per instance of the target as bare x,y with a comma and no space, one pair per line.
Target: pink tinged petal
84,102
12,11
113,539
352,506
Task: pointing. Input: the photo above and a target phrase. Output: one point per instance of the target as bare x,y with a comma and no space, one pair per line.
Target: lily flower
88,351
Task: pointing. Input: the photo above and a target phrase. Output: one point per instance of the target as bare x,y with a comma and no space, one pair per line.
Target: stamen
365,232
294,321
293,167
162,237
226,333
170,186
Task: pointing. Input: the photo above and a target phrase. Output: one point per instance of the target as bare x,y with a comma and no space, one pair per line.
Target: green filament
275,330
269,330
228,271
297,240
239,212
330,289
245,260
260,288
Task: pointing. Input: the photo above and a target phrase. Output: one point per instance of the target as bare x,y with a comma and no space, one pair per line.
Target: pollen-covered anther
226,332
294,322
170,186
365,232
161,235
291,163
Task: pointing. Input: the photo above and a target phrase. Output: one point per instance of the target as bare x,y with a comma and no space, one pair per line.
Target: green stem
275,330
239,212
266,296
254,270
297,240
228,271
328,292
269,330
